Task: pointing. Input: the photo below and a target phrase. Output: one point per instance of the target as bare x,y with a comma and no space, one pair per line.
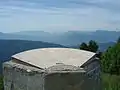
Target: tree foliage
111,60
91,46
84,46
118,41
1,83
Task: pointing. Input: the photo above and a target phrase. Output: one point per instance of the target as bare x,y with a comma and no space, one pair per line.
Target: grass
110,82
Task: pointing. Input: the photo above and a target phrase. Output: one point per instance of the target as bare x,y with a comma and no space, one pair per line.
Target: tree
84,46
118,41
1,83
110,60
93,47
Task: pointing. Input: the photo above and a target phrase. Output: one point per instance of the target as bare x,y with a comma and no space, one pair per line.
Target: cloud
51,15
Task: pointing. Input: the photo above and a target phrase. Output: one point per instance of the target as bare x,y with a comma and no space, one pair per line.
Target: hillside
10,47
104,46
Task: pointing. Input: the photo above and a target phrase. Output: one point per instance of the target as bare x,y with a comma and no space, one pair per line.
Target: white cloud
78,14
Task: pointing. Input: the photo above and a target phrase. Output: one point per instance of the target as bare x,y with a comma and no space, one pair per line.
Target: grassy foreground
110,82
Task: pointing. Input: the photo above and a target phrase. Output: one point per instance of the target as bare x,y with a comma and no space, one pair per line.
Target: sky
59,15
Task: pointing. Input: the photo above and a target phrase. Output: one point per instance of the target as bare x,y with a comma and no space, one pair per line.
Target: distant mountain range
70,38
104,46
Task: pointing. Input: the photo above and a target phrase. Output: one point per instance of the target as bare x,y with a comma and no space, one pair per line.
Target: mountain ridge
64,38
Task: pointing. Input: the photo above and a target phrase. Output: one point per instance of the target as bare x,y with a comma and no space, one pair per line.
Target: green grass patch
110,82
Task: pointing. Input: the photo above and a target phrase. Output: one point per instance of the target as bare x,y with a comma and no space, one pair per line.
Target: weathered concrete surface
70,81
47,57
20,79
59,77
